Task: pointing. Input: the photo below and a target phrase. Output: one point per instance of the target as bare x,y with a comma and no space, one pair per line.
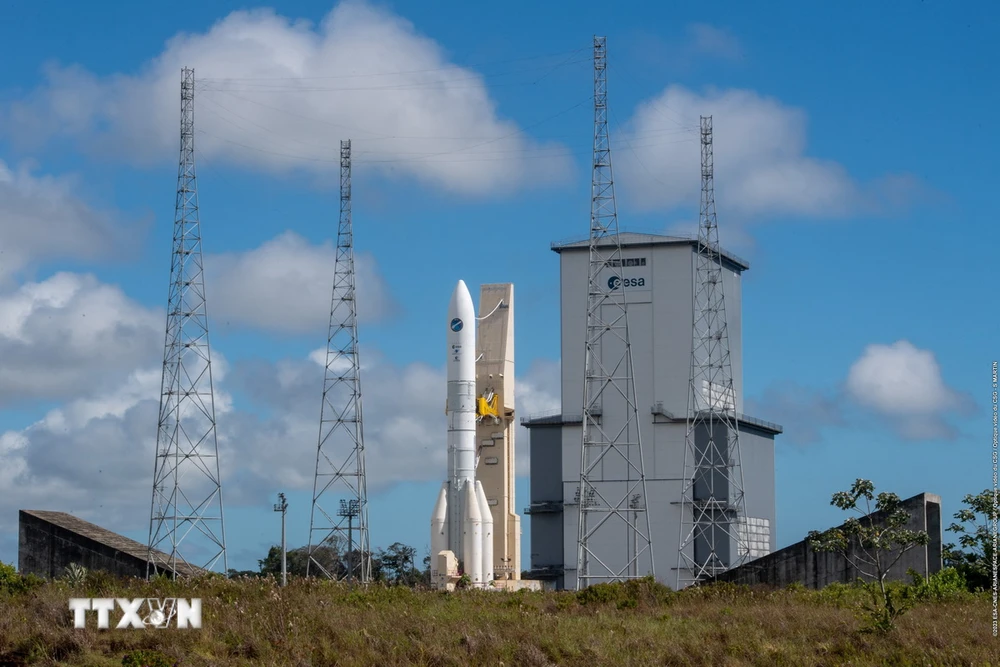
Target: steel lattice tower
713,508
612,494
186,444
339,489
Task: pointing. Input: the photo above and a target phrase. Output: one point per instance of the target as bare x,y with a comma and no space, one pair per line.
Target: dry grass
254,621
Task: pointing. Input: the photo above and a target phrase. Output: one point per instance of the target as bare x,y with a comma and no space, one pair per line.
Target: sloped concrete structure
799,563
49,541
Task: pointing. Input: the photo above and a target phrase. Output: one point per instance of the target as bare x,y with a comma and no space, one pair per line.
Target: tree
396,565
297,560
975,560
232,573
872,544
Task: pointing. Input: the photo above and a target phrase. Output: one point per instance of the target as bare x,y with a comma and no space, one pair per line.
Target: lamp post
349,509
634,504
282,506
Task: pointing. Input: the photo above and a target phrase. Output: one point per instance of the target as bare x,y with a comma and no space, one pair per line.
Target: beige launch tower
495,425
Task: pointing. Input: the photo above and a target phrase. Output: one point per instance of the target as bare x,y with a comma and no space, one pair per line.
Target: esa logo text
614,282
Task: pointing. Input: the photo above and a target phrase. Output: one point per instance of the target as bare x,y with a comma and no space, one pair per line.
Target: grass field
310,622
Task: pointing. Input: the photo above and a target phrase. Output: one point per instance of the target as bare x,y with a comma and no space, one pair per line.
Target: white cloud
538,391
801,411
701,45
760,161
340,363
904,383
69,334
41,218
94,454
73,338
404,423
286,284
899,384
734,238
271,87
709,40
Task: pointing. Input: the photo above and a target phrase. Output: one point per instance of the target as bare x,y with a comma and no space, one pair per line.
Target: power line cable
355,129
408,85
395,73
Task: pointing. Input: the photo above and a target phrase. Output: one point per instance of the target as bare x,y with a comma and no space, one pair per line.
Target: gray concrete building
48,542
658,273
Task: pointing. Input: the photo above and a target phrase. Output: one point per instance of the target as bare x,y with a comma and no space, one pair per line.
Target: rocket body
461,409
458,517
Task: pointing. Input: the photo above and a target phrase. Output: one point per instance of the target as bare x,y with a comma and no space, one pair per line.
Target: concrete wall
799,563
45,549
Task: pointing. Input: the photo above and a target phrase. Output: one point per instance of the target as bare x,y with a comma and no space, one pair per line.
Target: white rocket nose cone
440,514
460,307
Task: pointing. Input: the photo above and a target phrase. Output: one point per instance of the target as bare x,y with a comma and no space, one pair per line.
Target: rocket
462,521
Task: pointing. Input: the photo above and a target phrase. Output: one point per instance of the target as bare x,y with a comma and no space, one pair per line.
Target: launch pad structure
495,425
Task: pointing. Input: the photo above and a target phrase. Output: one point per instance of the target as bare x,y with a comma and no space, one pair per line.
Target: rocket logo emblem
456,325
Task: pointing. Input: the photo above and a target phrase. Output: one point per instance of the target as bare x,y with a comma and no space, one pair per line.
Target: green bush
14,584
628,594
9,578
599,594
948,584
75,574
146,658
100,583
722,591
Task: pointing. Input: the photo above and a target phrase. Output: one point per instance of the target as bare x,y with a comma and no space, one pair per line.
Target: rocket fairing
461,521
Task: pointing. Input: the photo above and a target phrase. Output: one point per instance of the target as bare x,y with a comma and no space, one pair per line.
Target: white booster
462,521
473,536
439,530
484,511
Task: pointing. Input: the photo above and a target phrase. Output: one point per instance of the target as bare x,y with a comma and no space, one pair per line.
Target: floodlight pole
282,507
350,509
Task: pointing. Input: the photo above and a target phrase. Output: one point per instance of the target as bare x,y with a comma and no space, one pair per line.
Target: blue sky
853,151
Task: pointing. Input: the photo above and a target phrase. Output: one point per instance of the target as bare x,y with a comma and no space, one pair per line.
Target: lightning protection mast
613,522
187,487
713,509
338,527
